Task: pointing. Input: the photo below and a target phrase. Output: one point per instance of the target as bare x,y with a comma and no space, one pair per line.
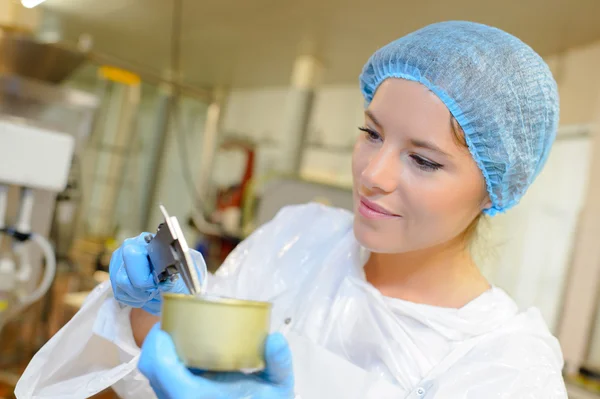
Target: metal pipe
209,143
305,78
150,197
3,204
26,210
296,118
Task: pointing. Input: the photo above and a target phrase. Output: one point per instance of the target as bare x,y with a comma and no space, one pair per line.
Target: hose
49,270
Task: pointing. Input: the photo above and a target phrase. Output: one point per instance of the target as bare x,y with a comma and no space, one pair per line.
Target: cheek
449,197
360,160
438,212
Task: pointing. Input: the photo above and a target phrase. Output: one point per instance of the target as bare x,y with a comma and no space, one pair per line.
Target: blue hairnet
499,90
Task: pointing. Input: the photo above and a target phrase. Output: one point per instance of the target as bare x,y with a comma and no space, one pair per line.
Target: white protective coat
348,341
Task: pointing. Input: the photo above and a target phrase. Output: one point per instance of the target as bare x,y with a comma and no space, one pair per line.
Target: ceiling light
31,3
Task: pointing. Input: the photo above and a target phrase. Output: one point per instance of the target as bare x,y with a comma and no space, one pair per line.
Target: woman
459,121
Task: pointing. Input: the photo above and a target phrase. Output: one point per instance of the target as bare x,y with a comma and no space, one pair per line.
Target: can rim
216,300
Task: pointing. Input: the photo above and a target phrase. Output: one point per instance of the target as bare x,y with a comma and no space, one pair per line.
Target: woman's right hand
132,280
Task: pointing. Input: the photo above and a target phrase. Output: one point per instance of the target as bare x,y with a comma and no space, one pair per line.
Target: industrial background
225,111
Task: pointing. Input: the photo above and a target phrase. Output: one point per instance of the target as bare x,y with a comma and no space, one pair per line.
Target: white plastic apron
321,374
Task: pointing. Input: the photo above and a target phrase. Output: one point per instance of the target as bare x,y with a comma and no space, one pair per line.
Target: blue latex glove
132,280
170,379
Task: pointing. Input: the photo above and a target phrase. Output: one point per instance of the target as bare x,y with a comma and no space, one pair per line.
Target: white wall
576,72
579,86
256,114
333,128
528,250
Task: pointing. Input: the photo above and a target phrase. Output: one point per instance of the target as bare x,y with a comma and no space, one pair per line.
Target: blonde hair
470,232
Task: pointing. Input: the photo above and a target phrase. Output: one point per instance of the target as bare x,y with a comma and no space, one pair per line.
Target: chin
377,241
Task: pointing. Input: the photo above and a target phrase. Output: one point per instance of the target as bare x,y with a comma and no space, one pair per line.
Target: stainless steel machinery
43,124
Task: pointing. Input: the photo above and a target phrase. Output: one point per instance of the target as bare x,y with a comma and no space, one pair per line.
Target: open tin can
217,334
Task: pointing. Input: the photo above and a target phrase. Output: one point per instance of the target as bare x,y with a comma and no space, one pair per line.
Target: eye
370,134
425,164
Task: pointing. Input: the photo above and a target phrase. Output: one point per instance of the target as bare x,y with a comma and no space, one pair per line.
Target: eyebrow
373,118
428,146
415,142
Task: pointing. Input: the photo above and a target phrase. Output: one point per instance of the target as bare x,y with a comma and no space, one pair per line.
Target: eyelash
420,162
370,134
426,165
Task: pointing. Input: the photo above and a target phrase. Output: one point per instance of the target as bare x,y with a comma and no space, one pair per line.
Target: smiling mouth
371,210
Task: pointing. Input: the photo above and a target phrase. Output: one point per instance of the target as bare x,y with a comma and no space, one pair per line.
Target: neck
444,276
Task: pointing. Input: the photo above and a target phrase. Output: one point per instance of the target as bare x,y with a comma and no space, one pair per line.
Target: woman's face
415,185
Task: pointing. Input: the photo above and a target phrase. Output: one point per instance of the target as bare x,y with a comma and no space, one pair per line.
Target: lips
372,210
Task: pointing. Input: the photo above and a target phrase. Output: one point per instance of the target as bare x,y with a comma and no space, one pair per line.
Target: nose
382,173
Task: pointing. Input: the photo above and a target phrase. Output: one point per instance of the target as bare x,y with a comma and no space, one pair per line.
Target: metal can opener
170,255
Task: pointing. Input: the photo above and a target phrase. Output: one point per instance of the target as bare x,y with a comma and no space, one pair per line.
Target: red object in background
233,196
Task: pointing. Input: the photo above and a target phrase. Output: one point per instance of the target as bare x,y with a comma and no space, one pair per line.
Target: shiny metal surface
217,334
170,255
22,55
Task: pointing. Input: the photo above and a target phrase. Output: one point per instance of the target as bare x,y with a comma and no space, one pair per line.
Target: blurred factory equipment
290,185
223,229
280,192
241,208
245,206
230,199
109,152
43,127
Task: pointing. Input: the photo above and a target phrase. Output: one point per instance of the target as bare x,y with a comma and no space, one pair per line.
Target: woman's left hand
170,379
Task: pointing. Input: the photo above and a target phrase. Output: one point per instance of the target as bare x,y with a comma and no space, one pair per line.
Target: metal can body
217,334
